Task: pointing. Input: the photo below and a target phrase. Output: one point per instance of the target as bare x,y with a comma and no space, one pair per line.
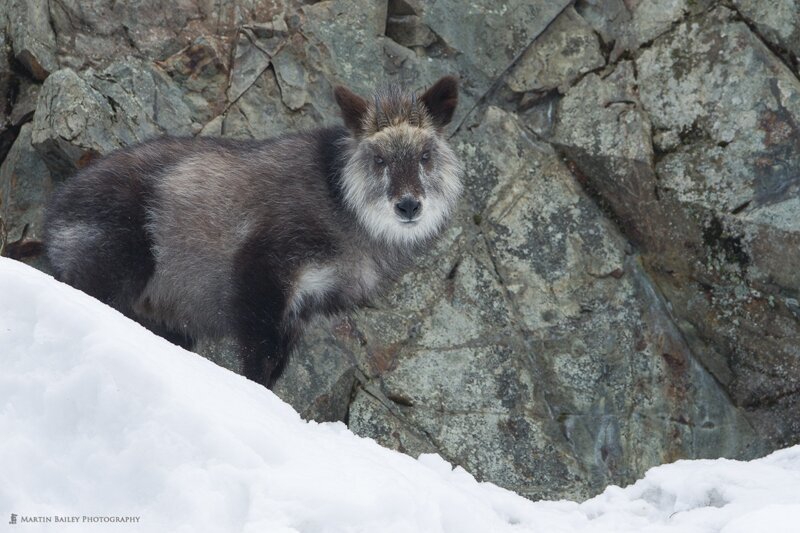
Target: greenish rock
32,37
72,122
409,31
25,185
200,71
98,32
778,22
722,107
568,48
536,335
78,117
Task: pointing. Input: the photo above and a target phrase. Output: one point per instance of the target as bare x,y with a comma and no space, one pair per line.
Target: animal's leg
259,305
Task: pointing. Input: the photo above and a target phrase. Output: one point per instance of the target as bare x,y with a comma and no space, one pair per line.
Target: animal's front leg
264,356
259,310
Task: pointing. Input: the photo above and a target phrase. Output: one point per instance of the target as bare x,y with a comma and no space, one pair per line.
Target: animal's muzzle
408,208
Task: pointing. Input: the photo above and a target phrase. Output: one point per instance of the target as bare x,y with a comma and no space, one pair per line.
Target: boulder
80,116
32,36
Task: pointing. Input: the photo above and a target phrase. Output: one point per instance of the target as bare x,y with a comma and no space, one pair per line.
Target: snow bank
101,419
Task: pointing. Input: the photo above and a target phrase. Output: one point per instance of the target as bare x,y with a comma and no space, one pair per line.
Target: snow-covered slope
100,418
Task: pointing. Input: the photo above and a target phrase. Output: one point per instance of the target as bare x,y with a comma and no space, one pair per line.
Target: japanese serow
209,238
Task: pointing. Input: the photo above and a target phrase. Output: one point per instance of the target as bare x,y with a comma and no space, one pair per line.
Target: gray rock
713,211
409,31
350,34
742,140
249,62
603,127
536,336
97,32
629,24
778,22
320,379
607,17
200,71
32,36
73,122
25,185
260,112
510,27
372,414
6,79
7,83
78,117
25,102
147,100
350,38
292,76
568,48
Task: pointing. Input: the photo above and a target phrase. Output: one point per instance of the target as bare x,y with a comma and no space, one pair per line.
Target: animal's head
401,177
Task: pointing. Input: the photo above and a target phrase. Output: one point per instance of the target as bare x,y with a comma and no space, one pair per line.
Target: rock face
619,287
701,166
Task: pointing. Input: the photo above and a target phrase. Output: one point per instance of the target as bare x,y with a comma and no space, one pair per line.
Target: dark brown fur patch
353,107
393,106
441,100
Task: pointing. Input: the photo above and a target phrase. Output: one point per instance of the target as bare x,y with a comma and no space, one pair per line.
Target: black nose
407,208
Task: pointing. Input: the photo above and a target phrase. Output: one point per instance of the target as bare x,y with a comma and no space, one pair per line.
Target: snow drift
101,419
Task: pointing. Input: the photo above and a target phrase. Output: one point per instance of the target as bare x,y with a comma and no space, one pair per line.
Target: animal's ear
353,107
441,100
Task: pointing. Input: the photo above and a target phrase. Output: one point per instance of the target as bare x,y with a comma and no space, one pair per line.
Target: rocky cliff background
620,287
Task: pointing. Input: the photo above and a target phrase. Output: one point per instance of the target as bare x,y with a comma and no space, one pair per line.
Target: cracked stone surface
568,48
619,286
778,23
725,110
24,186
32,36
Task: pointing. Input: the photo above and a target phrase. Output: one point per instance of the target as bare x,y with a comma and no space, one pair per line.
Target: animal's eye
425,155
379,160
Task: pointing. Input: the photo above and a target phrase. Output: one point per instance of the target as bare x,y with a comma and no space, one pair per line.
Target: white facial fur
366,194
